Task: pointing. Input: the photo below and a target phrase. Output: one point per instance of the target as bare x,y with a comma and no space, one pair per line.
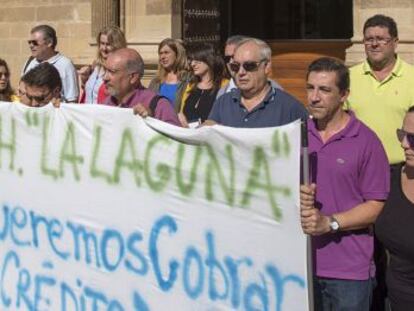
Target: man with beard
124,70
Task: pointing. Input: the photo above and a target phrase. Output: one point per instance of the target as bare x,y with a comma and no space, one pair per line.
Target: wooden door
291,58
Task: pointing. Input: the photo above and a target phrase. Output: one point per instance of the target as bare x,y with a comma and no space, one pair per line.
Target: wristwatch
333,224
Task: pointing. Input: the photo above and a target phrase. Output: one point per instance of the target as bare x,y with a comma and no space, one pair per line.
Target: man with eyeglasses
381,93
42,86
124,70
42,43
382,86
255,102
229,48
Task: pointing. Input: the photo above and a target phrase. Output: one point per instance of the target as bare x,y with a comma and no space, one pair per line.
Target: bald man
124,70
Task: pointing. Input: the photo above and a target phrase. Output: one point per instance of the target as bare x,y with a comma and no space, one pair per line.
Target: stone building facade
147,22
70,18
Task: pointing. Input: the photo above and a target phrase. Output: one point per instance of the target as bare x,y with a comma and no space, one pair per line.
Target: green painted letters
93,169
68,153
163,170
8,146
260,179
214,166
186,188
127,158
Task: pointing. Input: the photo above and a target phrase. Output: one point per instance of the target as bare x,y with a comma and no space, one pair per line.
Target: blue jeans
342,295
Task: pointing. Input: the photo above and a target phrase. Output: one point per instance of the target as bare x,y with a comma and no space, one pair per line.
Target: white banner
100,212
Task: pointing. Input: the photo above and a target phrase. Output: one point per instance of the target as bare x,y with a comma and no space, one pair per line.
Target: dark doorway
287,19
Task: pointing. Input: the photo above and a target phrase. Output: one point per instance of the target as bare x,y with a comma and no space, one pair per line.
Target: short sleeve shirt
278,108
349,169
382,105
67,73
163,111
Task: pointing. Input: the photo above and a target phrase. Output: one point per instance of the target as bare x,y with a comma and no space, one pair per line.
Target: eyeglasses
378,40
190,60
21,92
34,42
410,137
227,58
38,99
248,66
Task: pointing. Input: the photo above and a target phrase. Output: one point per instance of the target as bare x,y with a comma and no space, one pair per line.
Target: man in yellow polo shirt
382,87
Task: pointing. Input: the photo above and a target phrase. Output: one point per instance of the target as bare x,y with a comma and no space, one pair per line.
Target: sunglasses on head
34,42
247,66
410,137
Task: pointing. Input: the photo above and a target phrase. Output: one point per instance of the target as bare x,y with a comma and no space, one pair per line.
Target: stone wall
403,13
70,18
146,23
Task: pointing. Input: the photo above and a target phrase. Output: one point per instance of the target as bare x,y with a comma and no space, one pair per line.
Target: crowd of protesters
361,137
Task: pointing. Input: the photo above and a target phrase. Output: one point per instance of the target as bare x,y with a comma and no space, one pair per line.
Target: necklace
198,100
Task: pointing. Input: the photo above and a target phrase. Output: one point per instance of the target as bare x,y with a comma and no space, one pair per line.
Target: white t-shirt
67,72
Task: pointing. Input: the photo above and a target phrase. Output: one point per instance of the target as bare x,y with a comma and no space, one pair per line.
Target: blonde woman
109,39
172,70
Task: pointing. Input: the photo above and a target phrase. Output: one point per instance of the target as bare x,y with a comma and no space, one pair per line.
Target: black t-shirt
395,229
198,104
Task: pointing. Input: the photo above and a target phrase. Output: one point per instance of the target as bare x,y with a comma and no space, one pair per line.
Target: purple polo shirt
141,95
349,169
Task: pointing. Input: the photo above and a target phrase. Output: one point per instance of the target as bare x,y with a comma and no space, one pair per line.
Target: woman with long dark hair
207,68
6,91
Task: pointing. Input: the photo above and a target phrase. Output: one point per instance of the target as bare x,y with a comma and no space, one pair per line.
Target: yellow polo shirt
382,105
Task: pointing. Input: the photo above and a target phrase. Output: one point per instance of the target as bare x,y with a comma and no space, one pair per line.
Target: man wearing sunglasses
42,44
349,183
42,85
255,102
229,48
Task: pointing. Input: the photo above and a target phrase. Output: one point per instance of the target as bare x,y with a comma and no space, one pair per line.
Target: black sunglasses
410,137
34,42
227,58
248,66
40,98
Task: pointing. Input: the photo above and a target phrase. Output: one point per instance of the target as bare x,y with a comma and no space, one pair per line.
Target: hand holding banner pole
306,181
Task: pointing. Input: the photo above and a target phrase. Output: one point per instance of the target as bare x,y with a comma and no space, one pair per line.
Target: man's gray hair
236,39
135,66
265,50
49,33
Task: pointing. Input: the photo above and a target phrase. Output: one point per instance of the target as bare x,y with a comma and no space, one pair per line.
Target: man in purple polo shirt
124,70
349,183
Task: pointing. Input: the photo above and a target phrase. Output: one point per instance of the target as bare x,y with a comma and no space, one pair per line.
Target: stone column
104,13
402,11
147,23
